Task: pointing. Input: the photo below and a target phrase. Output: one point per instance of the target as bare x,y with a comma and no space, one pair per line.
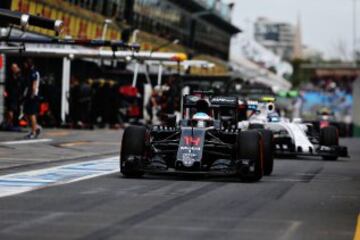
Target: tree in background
300,75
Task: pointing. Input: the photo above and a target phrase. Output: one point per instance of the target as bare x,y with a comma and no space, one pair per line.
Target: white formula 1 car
292,138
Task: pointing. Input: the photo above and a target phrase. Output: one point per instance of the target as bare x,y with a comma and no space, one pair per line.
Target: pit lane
304,199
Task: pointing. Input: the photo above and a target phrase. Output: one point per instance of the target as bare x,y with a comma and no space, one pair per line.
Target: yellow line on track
357,231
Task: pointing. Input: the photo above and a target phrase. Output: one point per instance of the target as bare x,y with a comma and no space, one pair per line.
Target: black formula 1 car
201,143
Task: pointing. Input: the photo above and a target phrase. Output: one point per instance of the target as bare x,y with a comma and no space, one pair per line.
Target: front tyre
329,136
268,151
132,151
250,147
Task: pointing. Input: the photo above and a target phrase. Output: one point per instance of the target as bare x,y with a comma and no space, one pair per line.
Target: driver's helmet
203,105
201,119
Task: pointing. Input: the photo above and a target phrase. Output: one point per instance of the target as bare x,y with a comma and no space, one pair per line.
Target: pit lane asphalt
304,199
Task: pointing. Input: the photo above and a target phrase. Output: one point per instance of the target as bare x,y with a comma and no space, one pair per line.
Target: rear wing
224,102
214,102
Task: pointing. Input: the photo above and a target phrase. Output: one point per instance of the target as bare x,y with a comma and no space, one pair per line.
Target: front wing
323,151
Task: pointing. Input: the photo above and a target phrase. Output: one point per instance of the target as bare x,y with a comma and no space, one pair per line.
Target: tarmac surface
303,199
56,145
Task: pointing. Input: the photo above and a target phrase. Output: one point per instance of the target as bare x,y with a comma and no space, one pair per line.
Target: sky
327,25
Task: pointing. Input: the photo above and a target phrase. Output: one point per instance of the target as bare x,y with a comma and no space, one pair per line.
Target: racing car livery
201,143
294,137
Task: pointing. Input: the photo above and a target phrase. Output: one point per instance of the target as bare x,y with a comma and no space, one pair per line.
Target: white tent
249,71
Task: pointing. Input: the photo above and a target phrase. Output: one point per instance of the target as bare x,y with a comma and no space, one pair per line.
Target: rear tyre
268,151
132,151
250,146
329,136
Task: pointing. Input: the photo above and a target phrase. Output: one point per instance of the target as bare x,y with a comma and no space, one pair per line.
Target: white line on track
26,141
31,180
290,232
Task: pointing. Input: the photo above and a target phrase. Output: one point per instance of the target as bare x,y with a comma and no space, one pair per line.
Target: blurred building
281,38
202,26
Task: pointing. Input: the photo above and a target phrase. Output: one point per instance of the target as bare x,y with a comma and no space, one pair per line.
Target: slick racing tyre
329,136
132,151
250,147
268,151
